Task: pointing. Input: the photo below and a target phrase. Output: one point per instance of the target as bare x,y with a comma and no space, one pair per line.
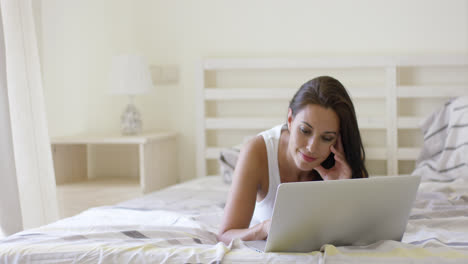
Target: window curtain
27,181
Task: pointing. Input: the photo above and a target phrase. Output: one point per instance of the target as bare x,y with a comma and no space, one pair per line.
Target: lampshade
129,75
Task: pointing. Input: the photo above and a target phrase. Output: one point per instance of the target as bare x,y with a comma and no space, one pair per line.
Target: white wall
80,37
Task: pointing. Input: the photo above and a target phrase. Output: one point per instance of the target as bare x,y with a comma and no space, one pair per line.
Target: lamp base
130,121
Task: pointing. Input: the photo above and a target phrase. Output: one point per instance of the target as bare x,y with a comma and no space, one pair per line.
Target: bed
413,113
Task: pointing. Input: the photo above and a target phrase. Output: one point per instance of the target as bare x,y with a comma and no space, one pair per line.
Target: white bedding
178,225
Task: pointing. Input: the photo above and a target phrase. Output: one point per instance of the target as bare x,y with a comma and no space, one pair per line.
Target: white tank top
264,209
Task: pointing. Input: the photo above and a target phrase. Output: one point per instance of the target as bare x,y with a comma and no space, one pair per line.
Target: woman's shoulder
252,165
253,157
255,148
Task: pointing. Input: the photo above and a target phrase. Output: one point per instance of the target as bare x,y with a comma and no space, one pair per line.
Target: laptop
356,212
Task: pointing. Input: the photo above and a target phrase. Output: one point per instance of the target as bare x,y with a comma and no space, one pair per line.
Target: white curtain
27,181
10,213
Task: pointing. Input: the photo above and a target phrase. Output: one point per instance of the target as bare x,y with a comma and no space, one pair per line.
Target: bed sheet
179,225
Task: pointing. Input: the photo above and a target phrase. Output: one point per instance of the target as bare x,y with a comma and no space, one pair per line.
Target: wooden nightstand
95,170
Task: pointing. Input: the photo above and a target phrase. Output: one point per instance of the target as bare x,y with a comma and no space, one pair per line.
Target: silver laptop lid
308,215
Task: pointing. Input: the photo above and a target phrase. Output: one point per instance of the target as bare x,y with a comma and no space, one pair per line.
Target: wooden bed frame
239,97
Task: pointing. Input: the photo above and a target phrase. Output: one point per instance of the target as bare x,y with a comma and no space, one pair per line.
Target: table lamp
130,76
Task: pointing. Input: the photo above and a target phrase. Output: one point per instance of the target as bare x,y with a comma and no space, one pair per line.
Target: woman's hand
264,230
341,170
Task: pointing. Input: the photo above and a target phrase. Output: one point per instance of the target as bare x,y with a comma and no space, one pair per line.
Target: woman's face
313,131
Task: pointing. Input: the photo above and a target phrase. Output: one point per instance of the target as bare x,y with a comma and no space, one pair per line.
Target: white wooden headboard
239,97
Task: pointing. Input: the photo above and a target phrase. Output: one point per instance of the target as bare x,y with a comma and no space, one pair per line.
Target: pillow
227,162
444,152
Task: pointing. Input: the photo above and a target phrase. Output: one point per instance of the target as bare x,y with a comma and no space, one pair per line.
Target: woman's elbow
223,238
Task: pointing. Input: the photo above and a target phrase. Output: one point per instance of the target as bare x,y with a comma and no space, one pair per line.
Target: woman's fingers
340,158
265,229
321,170
341,170
338,154
339,144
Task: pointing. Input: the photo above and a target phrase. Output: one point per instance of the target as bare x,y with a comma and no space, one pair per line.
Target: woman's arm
251,167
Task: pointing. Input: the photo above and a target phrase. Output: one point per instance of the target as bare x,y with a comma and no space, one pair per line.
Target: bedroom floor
76,197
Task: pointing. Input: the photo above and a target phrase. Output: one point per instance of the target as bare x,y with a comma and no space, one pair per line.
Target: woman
321,141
